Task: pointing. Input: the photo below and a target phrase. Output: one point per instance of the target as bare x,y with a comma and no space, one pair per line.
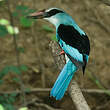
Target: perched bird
74,43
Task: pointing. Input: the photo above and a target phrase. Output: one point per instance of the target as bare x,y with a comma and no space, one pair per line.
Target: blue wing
74,53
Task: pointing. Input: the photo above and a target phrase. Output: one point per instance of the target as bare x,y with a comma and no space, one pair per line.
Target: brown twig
103,107
74,90
45,106
96,91
38,102
34,90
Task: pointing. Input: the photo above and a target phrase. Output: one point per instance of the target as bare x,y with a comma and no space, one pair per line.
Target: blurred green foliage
13,69
21,12
26,22
1,107
54,38
6,28
7,100
23,108
2,2
47,28
21,49
3,31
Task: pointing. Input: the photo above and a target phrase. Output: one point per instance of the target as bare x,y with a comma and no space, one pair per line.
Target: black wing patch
73,38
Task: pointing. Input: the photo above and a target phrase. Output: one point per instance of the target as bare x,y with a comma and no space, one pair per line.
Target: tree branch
45,106
34,90
74,90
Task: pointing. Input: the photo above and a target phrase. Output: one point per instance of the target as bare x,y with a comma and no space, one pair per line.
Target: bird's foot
62,52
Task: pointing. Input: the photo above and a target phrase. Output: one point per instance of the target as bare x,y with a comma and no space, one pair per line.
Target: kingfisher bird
74,43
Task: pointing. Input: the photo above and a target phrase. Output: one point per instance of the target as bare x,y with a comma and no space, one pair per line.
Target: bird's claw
62,52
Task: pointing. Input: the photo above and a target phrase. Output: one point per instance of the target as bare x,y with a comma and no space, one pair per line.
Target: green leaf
22,10
1,107
23,68
15,69
26,22
11,99
47,28
20,49
16,80
54,38
5,95
14,94
1,81
4,71
3,31
9,106
27,90
23,108
4,22
8,69
21,7
15,14
2,3
2,99
10,29
30,11
27,12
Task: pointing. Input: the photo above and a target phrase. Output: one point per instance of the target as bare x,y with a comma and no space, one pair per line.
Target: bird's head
54,15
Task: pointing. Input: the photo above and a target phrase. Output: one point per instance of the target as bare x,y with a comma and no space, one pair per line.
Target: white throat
53,20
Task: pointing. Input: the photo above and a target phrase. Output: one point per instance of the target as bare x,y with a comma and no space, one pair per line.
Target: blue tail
63,80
